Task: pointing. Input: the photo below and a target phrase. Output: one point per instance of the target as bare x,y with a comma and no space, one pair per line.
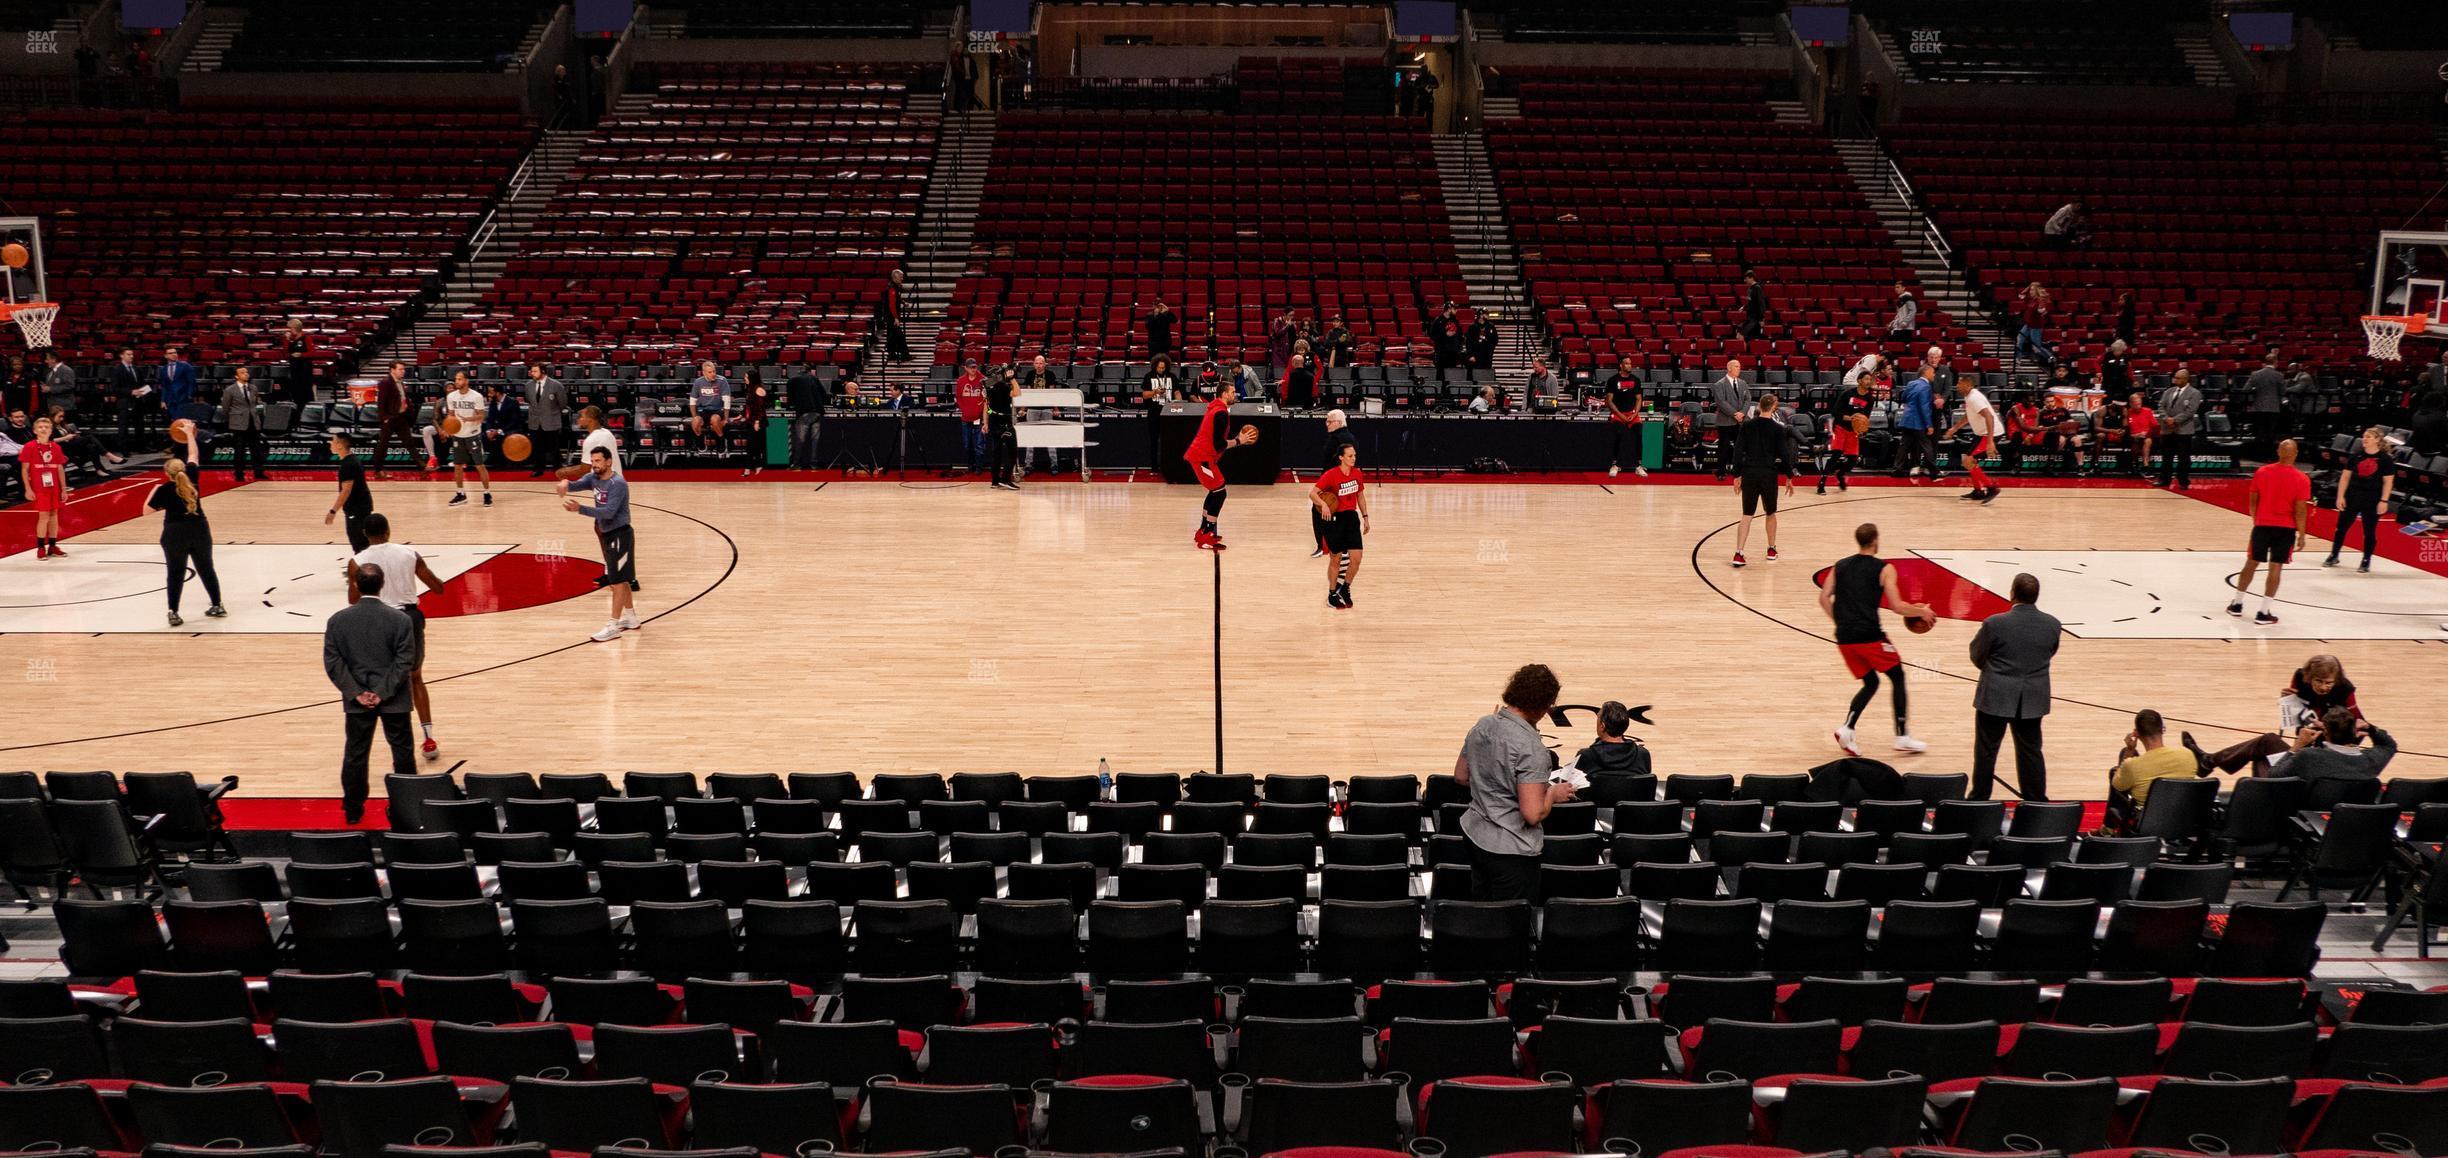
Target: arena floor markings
948,627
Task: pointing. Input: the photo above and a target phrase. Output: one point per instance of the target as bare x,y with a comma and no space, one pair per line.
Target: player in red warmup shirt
2280,500
44,464
1206,459
1342,500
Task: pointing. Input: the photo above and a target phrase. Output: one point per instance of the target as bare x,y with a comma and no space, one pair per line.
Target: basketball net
2383,332
33,322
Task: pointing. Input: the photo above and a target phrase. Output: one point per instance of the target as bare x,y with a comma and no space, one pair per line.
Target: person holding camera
1505,767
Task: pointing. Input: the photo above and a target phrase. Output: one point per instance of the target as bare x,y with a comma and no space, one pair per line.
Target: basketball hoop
33,321
2382,333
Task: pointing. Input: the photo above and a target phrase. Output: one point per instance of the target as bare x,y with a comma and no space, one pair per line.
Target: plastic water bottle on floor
1104,775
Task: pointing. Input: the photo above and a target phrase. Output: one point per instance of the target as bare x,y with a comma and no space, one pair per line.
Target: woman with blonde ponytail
185,537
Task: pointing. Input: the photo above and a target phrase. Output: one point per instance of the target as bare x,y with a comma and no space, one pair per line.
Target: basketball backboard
25,283
2410,275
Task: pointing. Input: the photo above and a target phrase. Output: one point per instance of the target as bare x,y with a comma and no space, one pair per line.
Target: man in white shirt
1983,419
467,407
403,571
598,435
1868,368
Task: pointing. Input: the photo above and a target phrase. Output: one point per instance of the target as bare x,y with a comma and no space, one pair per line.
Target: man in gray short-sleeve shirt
1505,766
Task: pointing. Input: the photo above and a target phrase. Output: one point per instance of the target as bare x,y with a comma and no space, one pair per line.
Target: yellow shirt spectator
2134,776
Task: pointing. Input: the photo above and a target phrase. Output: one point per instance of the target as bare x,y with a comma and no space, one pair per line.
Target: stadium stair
221,27
947,225
510,217
1483,244
1941,285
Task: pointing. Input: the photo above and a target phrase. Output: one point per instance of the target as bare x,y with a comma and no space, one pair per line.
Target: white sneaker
1844,740
629,623
609,632
1641,471
1908,744
1612,471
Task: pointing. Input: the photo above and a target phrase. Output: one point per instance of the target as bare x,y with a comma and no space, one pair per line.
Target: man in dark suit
123,386
369,648
547,416
2012,650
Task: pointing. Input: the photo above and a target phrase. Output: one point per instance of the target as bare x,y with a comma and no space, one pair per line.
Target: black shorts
1343,532
465,451
620,556
2272,545
416,624
1756,490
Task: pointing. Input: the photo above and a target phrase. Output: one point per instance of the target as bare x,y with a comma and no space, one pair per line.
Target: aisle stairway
221,27
1483,246
1942,286
940,246
531,189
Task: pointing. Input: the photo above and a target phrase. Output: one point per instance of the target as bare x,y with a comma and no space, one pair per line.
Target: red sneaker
1739,560
1215,542
1202,540
433,751
1772,554
42,550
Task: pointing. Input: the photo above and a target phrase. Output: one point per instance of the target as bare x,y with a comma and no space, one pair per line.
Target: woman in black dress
186,537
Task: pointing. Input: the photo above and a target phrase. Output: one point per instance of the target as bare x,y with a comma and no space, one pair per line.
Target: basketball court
793,625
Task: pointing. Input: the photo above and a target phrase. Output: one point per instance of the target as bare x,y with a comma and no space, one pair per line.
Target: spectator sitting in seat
2068,228
2319,685
2331,749
1613,754
1485,401
2142,429
85,448
2059,434
2145,758
2025,430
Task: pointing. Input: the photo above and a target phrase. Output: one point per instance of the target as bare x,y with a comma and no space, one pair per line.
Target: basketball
450,426
14,255
516,447
1860,424
1919,624
1249,432
182,431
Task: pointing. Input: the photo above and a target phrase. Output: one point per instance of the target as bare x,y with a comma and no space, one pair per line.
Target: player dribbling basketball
1855,588
1206,459
1341,500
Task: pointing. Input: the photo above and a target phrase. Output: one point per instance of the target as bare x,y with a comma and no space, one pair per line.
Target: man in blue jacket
178,380
1913,445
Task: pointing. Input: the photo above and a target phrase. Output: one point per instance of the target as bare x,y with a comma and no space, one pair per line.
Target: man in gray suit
547,417
242,415
2179,418
369,647
2267,406
1730,401
2012,650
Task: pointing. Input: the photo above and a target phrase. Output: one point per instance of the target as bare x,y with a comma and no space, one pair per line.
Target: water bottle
1104,775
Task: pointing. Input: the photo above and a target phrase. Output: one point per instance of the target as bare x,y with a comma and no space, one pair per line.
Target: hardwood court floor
878,627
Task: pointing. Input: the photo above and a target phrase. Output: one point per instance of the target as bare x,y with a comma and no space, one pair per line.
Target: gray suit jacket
239,407
2180,409
2268,388
547,403
1732,399
2012,650
369,646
